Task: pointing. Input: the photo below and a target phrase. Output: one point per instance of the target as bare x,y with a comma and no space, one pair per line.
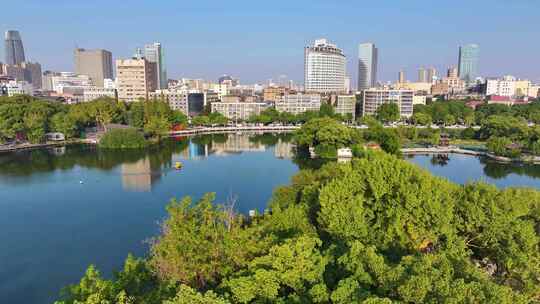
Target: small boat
178,165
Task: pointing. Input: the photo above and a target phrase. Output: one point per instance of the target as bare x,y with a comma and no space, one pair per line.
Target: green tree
422,119
388,112
65,124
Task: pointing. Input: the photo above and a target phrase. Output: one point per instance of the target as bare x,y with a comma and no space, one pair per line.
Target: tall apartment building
401,77
97,64
324,68
422,75
154,53
367,65
298,103
136,78
374,98
431,75
13,48
468,62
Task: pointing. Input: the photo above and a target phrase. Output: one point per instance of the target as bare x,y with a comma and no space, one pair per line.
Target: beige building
346,104
417,87
419,100
273,93
439,88
97,64
136,78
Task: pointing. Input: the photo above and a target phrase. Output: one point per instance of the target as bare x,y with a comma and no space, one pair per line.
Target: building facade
346,105
505,86
468,62
13,48
32,73
154,53
93,93
374,98
298,103
367,66
177,99
239,110
71,83
136,78
97,64
324,68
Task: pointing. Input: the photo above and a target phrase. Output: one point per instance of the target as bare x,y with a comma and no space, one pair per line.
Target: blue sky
258,40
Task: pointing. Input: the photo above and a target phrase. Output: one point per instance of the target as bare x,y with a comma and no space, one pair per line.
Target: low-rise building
14,87
273,93
374,98
177,99
230,98
346,105
70,83
93,93
298,103
417,87
239,110
505,86
419,100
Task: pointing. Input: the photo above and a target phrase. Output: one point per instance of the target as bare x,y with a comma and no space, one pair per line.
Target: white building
324,68
177,99
68,82
505,86
93,93
14,87
367,65
239,110
374,98
298,103
419,100
346,104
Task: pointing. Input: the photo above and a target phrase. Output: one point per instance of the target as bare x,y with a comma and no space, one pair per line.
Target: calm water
52,226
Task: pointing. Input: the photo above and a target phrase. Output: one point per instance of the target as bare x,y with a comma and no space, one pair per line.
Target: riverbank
447,150
29,146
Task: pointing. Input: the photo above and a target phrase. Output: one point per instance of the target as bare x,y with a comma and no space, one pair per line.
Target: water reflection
139,170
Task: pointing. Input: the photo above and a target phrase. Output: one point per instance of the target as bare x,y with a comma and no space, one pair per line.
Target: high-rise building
468,62
431,75
14,50
136,78
32,73
96,64
324,68
422,75
154,53
367,65
401,77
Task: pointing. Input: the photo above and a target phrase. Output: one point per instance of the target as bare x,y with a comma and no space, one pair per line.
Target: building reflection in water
284,149
237,143
138,176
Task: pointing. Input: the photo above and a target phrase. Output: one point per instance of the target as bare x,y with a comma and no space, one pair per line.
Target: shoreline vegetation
374,230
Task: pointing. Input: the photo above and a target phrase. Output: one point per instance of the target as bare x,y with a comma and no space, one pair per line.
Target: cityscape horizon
200,57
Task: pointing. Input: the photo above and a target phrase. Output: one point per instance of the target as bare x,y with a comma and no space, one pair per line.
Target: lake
62,209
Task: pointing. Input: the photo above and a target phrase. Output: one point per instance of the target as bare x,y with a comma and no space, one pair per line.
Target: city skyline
213,41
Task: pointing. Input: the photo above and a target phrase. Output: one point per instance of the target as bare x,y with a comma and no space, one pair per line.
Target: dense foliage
123,139
388,112
376,230
24,117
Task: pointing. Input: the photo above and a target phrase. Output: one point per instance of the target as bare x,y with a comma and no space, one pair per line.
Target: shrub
123,139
